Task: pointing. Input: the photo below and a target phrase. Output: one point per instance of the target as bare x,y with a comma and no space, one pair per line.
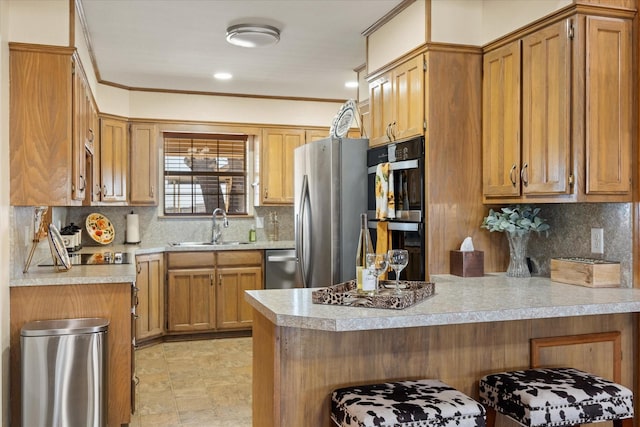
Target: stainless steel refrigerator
330,190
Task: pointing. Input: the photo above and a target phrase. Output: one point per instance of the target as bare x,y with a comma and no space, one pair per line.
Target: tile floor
194,383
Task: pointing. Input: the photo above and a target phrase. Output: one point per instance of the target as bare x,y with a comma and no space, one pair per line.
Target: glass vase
518,255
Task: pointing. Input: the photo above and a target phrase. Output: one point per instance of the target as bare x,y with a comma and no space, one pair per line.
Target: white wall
403,33
501,17
5,266
38,21
457,21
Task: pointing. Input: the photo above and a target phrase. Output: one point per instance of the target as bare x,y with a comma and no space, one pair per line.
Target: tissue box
467,264
593,273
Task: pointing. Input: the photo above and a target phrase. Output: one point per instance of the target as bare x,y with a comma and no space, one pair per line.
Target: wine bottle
364,247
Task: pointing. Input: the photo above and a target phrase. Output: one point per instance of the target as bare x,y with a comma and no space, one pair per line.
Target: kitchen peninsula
470,327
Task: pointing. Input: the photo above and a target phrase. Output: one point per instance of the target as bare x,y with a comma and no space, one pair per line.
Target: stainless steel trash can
64,373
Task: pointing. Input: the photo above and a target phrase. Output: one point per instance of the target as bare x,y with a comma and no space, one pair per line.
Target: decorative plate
57,247
100,228
342,121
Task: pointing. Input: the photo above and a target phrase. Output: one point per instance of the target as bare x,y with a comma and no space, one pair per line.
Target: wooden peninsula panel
296,369
111,301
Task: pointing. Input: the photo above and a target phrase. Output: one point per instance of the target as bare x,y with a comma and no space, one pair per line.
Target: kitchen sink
226,243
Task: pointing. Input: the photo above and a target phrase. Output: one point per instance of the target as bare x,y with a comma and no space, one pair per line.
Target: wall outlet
597,241
259,222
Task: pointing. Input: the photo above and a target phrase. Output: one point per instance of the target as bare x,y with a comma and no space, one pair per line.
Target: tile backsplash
570,233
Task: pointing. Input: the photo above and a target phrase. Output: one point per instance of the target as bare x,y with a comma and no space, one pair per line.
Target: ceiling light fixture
222,76
351,85
252,35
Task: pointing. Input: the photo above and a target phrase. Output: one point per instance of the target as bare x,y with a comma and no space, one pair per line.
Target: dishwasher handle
281,258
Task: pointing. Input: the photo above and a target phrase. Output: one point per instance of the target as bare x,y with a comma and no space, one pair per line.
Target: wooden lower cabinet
191,300
112,301
205,290
150,296
233,311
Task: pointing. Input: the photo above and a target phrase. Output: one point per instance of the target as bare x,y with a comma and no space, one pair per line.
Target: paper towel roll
133,228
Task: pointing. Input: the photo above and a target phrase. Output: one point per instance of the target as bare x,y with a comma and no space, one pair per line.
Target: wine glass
398,260
377,264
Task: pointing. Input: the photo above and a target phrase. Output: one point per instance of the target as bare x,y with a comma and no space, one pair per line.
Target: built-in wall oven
406,163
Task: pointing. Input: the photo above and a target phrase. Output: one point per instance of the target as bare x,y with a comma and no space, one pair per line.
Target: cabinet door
40,131
81,119
191,300
546,113
501,121
233,311
408,99
143,175
381,109
150,301
113,160
608,122
276,164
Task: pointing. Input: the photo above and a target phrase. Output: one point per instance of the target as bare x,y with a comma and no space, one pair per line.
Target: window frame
219,137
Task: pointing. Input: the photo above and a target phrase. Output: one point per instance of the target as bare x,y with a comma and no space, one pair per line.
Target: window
203,172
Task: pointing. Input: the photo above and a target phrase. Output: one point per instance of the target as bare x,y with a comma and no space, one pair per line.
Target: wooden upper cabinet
396,100
501,121
608,122
572,140
143,174
546,110
113,160
276,164
41,125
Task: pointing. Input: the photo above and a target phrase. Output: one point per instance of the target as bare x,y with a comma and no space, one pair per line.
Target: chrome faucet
216,232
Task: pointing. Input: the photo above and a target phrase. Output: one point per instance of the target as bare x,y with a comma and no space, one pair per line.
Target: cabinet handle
152,191
512,176
211,279
98,191
266,193
393,130
219,279
524,175
389,131
139,269
91,135
84,183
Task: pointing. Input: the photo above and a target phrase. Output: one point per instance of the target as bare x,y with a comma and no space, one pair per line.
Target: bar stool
418,403
548,397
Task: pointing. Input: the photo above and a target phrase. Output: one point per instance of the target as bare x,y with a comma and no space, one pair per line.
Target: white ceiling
179,44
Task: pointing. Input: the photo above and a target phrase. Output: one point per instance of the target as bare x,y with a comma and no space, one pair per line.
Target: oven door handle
397,226
396,166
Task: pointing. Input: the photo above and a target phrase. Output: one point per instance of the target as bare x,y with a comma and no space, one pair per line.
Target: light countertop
118,273
491,298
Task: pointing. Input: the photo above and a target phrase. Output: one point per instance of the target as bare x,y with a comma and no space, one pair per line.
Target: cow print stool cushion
555,397
405,404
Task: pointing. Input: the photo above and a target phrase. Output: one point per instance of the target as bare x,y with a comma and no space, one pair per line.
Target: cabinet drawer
190,259
228,258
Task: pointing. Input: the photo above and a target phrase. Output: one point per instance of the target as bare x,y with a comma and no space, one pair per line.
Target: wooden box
466,264
594,273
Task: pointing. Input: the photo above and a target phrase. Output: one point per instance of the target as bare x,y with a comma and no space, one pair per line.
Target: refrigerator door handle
300,237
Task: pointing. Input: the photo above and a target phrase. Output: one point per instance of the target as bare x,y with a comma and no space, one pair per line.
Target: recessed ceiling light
252,35
351,85
222,76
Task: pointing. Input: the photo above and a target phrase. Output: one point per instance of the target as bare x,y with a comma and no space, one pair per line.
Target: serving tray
346,294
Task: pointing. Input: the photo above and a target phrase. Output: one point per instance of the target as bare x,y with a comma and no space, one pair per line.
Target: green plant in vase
517,221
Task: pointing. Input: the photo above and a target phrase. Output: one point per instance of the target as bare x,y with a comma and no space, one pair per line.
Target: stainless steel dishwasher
280,269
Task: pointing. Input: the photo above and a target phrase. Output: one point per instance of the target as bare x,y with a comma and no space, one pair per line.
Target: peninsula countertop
457,300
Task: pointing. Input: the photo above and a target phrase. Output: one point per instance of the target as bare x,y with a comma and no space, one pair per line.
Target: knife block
466,264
